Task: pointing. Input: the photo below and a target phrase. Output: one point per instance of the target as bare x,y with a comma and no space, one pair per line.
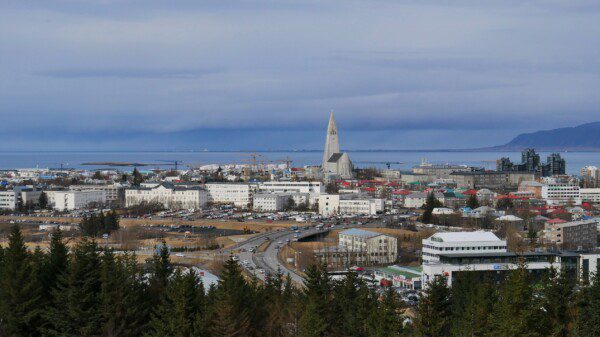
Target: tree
19,289
504,204
472,202
137,177
76,301
430,204
557,293
387,320
588,308
97,176
332,188
43,200
231,316
161,269
434,314
316,317
289,204
181,311
472,303
516,311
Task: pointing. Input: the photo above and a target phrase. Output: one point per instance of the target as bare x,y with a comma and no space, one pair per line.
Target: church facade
335,164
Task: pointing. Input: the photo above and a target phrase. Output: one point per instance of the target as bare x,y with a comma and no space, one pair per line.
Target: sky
251,74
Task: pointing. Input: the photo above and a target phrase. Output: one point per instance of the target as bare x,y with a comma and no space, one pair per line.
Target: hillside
585,137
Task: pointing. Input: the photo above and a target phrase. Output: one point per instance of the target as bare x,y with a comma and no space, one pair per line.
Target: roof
360,233
465,236
335,157
509,218
399,272
556,221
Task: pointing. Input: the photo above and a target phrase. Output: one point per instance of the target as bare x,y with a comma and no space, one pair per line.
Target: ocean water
408,159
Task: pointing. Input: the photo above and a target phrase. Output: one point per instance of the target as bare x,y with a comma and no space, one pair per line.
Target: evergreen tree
43,200
123,309
181,311
230,316
137,177
516,311
430,204
472,202
76,301
472,303
557,293
19,289
55,264
162,269
434,310
588,309
316,316
387,319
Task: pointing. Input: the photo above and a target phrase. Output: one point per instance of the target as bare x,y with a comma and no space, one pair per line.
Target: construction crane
388,164
287,161
255,163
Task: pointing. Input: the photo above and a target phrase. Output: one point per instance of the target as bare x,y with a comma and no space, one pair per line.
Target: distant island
585,137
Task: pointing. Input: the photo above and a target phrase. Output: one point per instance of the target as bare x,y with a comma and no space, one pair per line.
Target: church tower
332,144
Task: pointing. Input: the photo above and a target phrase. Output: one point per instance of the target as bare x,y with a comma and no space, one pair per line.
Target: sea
403,160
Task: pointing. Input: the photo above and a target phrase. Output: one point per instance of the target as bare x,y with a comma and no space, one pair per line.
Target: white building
589,194
70,200
351,204
169,195
292,187
418,199
270,202
114,192
460,243
238,194
442,211
9,200
561,193
378,248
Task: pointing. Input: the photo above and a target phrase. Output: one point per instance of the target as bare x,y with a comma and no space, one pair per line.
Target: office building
378,248
238,194
169,195
71,200
460,243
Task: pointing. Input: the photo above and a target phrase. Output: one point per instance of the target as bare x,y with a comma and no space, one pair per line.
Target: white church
336,164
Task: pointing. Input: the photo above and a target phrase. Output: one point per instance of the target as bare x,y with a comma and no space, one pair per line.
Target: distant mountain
584,137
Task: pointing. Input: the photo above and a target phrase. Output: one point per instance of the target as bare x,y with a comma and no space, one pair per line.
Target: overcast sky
219,74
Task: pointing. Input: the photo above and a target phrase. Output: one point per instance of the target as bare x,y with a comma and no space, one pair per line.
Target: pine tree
76,309
161,269
387,319
588,309
430,204
55,264
557,295
181,311
19,289
43,200
472,303
472,202
434,311
316,317
233,295
123,308
137,177
516,311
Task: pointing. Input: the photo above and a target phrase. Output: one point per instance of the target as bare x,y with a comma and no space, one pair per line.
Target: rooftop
465,236
360,233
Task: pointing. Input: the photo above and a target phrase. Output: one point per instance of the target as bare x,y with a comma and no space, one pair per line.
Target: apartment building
377,248
238,194
351,204
574,235
169,195
589,194
270,202
292,187
491,179
115,193
71,200
558,192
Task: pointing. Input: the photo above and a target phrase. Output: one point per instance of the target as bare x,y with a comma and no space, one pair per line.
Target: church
336,164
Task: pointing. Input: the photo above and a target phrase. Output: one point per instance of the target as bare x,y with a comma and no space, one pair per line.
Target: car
180,255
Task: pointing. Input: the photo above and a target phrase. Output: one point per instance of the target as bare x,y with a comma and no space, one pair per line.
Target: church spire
332,144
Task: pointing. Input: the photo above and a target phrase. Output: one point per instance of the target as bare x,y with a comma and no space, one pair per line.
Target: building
574,235
560,192
350,204
115,193
491,179
390,174
460,243
335,163
436,171
270,202
590,176
292,187
9,200
532,187
169,195
589,194
71,200
238,194
377,248
530,162
405,277
418,199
